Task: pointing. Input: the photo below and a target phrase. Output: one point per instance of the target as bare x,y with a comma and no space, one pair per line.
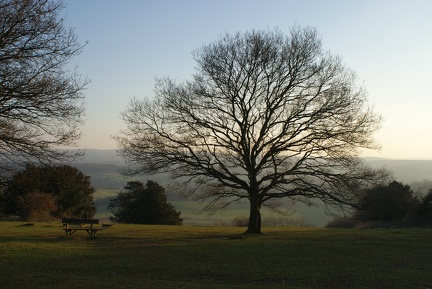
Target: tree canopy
425,209
70,188
141,204
41,102
388,203
266,116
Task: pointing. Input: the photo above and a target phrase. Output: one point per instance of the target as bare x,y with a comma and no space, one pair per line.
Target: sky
130,43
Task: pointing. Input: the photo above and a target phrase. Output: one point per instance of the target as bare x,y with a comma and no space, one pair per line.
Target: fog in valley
104,167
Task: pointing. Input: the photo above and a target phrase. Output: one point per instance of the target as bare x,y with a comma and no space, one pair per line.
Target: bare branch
41,104
266,115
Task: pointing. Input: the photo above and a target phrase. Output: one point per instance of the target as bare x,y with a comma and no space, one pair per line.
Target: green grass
139,256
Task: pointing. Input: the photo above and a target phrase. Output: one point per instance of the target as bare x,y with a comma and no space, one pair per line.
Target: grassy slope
137,256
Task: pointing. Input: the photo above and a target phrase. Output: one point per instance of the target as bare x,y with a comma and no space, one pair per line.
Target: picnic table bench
71,225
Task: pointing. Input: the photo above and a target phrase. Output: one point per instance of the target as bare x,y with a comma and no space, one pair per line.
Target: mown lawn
138,256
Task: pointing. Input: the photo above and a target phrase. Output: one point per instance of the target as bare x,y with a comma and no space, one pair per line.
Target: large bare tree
41,102
265,117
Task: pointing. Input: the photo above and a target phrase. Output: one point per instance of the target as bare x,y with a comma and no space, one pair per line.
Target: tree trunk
254,226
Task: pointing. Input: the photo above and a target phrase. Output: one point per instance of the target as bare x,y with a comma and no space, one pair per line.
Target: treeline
391,205
47,192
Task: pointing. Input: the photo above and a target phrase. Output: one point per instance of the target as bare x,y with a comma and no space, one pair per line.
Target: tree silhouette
425,209
71,189
144,205
265,117
388,203
41,103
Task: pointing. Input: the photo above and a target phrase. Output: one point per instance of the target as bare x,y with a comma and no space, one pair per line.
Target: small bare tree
265,117
41,103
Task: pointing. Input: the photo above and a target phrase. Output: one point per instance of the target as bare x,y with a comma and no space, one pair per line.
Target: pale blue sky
388,44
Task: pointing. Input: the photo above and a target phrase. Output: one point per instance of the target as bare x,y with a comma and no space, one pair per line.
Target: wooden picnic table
71,225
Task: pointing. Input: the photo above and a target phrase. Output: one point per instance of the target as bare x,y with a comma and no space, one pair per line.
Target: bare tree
265,117
41,102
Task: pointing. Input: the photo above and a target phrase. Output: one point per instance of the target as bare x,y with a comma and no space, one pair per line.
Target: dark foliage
425,209
392,205
70,188
144,205
393,202
37,207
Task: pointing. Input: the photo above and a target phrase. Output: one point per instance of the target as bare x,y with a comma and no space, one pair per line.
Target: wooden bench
71,225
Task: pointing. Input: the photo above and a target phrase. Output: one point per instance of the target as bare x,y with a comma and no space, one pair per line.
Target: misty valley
104,167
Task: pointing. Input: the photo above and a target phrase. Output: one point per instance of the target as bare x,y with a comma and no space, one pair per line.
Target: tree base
252,232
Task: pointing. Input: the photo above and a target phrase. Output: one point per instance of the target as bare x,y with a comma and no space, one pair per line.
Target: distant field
104,167
138,256
190,211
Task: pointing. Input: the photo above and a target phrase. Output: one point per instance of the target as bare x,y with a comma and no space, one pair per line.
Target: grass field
139,256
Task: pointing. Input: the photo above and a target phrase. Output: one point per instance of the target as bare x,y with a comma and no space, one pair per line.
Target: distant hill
95,156
407,171
104,167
